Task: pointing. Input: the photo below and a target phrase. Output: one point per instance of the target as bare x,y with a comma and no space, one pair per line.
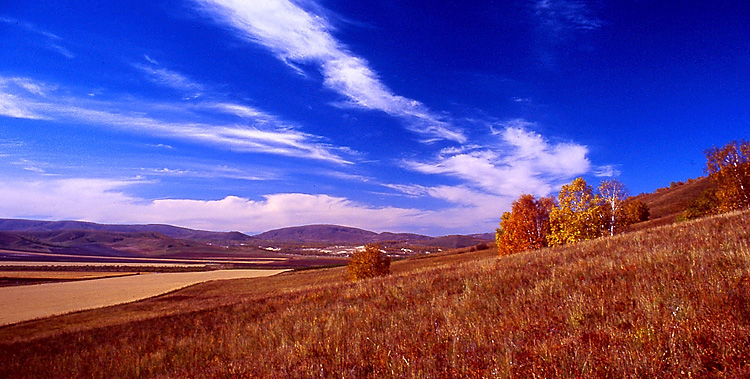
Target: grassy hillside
666,204
672,301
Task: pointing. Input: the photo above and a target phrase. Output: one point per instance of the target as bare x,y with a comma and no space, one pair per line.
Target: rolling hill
101,243
19,225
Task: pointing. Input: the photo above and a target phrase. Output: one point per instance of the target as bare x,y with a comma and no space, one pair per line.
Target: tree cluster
579,213
526,226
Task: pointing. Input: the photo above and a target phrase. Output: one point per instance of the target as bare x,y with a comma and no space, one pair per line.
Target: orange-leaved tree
526,226
579,214
729,168
368,263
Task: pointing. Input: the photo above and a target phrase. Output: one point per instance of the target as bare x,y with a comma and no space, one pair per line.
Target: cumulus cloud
522,162
299,36
258,132
108,201
490,178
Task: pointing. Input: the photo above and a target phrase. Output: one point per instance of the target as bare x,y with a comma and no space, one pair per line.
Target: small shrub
368,263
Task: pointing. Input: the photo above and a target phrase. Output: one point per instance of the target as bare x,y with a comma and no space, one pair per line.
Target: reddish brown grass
666,302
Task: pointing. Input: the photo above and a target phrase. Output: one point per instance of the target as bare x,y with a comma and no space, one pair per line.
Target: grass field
672,301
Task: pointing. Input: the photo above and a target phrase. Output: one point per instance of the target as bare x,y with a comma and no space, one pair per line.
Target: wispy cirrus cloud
606,171
13,105
29,27
51,41
564,15
258,132
299,36
206,171
169,78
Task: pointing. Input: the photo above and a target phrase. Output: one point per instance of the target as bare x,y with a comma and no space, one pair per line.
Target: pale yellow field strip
71,275
24,303
157,260
96,264
121,264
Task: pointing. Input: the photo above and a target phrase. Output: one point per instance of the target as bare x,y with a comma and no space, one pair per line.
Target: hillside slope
671,301
100,243
666,204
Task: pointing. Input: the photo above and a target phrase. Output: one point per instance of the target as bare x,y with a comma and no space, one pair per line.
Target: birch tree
613,195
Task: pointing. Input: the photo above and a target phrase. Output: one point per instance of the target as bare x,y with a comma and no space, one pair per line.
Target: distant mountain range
87,238
19,225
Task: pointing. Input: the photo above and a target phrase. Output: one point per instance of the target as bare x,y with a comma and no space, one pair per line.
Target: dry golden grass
667,302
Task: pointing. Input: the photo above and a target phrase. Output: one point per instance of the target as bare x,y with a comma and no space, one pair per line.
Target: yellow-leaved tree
579,214
526,226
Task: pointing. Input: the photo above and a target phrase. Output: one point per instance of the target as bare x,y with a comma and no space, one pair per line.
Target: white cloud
10,106
52,40
62,50
298,36
168,78
265,134
522,162
29,27
14,94
559,15
208,171
107,201
606,171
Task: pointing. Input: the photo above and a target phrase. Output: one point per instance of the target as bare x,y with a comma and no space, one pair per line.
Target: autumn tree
701,206
613,195
526,226
368,263
729,168
634,211
579,214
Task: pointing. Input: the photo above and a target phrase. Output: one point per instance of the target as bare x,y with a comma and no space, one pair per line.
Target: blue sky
406,116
